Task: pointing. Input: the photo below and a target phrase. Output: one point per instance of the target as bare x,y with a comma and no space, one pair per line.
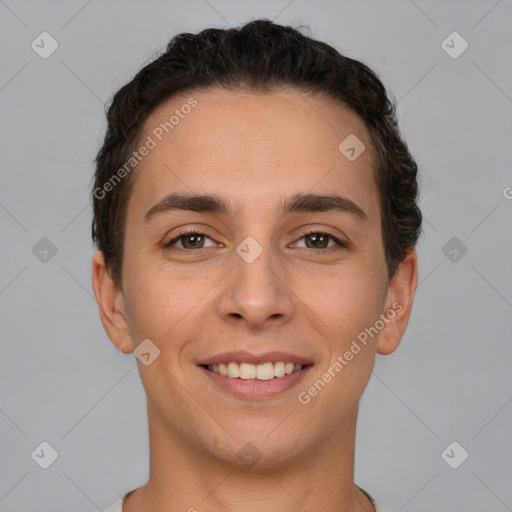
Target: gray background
61,379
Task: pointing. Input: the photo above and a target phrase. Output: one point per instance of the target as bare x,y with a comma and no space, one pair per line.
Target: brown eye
189,240
195,240
319,240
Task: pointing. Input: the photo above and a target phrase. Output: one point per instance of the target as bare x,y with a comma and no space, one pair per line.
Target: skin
254,149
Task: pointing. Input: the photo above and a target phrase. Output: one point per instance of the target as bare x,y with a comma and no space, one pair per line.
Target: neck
183,478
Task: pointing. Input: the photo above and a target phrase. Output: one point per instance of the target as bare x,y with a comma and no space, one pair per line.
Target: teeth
265,371
233,370
279,369
247,371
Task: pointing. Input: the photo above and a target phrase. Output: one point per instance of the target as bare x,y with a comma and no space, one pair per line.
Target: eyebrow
212,203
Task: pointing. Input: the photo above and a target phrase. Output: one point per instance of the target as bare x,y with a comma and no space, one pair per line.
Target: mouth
252,377
247,371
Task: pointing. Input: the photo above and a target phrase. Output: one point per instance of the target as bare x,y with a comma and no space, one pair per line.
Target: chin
263,450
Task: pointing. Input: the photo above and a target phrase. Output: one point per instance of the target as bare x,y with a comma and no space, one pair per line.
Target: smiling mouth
247,371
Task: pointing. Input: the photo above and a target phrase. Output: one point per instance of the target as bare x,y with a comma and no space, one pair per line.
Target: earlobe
110,305
398,305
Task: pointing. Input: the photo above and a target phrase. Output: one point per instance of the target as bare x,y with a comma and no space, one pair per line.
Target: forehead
253,147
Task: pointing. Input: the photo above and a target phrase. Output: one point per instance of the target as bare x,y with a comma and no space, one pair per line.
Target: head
254,120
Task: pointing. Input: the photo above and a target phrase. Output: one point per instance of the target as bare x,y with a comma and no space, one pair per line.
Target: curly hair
260,56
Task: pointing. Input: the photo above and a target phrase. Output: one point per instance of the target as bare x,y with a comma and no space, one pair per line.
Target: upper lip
247,357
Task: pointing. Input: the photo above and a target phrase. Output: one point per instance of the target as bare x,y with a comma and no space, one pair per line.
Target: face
272,278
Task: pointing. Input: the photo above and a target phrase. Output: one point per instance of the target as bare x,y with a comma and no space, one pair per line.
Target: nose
256,292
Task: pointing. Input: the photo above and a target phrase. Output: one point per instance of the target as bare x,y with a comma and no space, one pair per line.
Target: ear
110,300
398,303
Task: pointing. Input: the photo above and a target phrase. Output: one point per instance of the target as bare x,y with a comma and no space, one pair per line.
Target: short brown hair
259,56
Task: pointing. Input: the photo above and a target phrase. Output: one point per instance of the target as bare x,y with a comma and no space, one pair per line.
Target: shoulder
379,507
116,507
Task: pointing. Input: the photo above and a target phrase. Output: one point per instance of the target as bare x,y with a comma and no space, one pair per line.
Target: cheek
352,304
152,305
160,301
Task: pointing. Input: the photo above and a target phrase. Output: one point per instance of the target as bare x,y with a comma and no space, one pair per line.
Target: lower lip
255,389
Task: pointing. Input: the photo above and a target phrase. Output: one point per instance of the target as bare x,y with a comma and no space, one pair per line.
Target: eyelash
192,231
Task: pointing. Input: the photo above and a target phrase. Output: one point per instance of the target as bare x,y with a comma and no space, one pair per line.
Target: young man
255,211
